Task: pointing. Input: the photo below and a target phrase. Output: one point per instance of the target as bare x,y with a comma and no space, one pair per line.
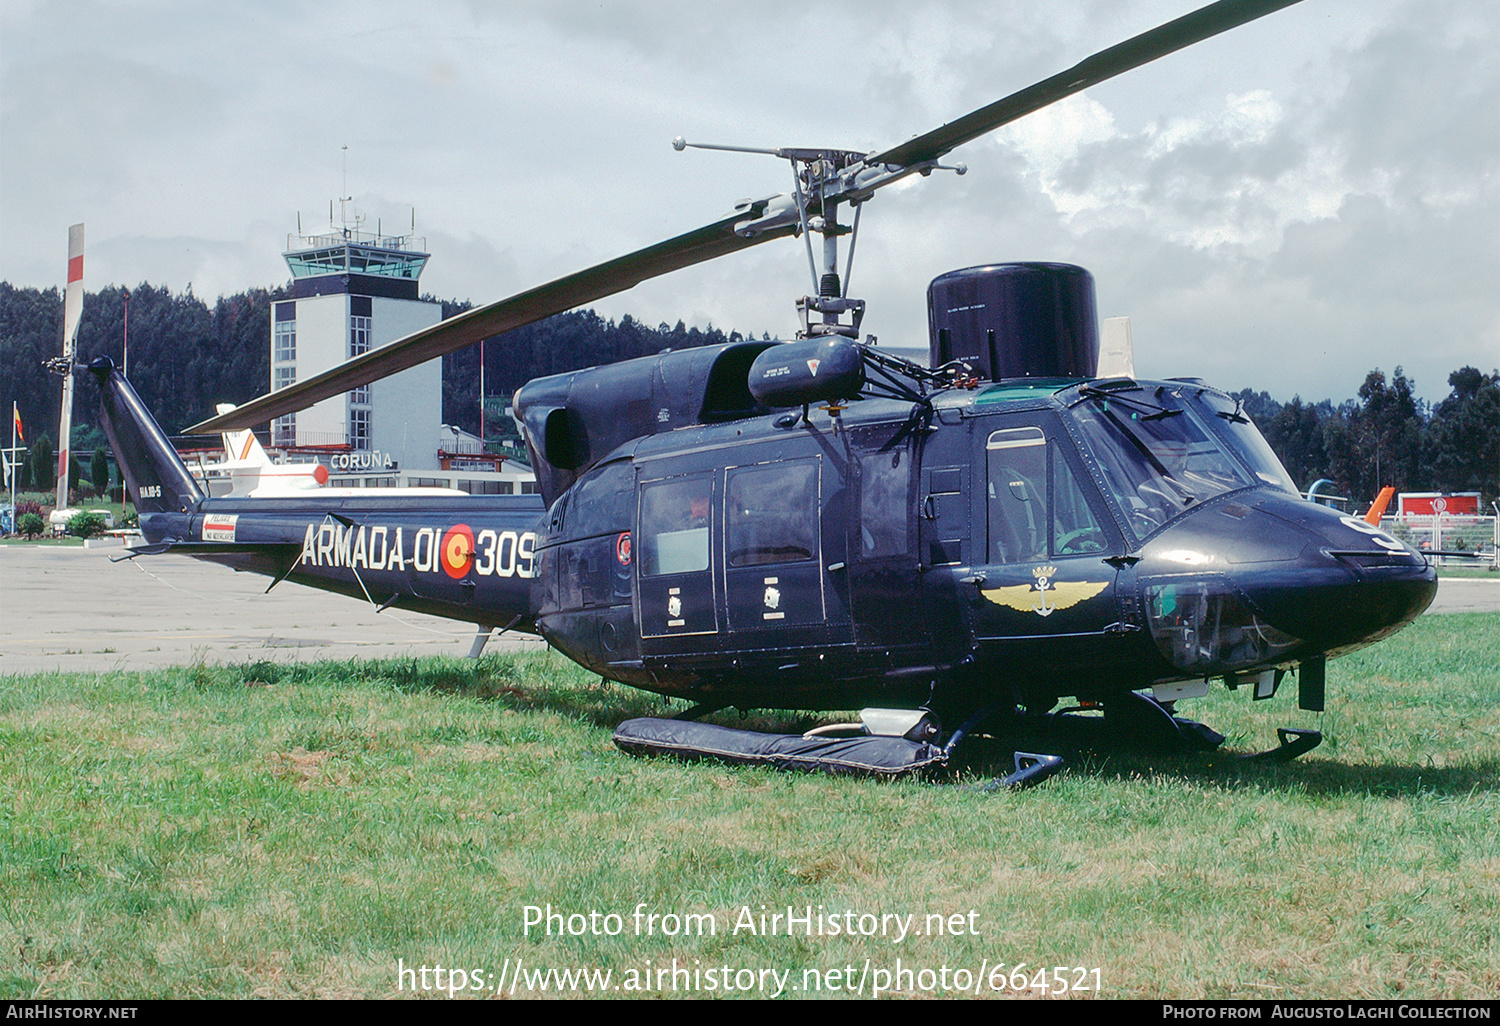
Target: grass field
279,831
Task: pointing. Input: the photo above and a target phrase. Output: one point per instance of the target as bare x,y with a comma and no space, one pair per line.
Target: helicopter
818,524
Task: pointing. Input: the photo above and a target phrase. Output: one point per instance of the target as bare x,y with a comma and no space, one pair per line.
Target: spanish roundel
458,551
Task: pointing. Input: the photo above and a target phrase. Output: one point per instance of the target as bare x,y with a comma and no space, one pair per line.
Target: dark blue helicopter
816,524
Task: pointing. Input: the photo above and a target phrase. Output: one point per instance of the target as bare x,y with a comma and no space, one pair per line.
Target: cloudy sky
1284,207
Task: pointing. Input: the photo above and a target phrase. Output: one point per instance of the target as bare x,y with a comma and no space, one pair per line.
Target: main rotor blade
706,243
1142,49
719,238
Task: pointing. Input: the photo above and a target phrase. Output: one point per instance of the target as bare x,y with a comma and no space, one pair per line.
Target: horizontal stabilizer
276,550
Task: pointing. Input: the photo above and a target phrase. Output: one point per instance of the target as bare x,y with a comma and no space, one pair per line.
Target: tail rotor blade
72,314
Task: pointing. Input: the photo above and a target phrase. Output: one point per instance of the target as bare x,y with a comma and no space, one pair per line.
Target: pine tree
99,471
43,465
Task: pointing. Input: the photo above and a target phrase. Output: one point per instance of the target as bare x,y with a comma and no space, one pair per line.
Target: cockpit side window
1075,531
1037,510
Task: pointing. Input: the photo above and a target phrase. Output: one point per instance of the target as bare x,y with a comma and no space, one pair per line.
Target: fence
1449,534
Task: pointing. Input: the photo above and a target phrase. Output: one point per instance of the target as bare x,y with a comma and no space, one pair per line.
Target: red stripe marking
75,268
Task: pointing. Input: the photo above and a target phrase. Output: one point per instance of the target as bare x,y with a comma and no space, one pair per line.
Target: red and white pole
72,312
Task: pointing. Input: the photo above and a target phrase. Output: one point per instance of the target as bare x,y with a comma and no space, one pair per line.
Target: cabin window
1037,510
772,514
674,526
1017,495
884,503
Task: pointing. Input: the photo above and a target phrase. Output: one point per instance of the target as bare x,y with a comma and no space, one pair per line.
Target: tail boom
469,558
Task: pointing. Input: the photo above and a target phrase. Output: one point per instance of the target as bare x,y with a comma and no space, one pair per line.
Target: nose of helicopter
1370,583
1278,579
1336,607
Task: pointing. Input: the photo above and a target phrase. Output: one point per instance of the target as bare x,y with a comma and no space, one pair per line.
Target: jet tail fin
1377,508
154,474
242,446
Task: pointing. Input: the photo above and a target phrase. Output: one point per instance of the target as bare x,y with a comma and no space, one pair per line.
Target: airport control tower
353,291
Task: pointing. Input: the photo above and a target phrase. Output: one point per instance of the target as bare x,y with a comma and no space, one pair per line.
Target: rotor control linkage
821,180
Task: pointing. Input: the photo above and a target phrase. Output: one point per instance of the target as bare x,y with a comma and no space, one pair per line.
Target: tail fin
1377,508
242,446
152,470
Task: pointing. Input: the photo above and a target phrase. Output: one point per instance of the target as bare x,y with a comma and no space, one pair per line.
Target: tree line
1388,436
187,355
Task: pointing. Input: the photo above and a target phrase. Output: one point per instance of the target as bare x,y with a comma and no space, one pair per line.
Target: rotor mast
821,180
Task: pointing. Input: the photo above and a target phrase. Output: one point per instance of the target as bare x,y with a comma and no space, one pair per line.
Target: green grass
1481,571
280,831
63,541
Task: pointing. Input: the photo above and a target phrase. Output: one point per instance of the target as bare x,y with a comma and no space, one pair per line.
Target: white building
351,292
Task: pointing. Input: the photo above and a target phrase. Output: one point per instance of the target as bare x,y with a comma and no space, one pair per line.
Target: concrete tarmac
69,608
1467,595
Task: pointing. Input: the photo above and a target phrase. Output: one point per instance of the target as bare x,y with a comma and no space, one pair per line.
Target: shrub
30,524
85,524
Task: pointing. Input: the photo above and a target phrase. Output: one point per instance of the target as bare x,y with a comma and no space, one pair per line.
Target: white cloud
1323,179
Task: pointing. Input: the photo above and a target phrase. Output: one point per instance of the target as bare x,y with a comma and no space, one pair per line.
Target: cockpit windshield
1247,440
1164,450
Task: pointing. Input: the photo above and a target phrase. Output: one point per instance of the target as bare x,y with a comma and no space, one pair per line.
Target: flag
6,461
15,412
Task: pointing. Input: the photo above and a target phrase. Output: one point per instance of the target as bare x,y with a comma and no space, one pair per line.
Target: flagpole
15,418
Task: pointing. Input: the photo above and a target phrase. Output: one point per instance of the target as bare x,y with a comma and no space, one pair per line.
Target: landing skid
1131,722
894,743
1294,742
